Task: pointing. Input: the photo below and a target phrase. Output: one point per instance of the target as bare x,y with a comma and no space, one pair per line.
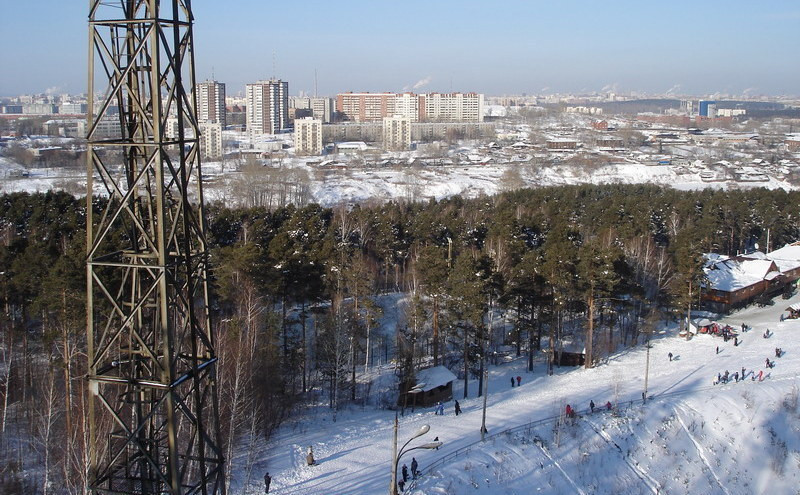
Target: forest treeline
295,297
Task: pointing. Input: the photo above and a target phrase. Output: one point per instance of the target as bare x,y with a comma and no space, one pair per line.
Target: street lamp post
485,394
397,455
646,370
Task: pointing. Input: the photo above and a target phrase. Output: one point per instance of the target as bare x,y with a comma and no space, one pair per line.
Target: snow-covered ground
470,169
690,436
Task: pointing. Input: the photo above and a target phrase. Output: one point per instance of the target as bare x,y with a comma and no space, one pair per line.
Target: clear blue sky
494,47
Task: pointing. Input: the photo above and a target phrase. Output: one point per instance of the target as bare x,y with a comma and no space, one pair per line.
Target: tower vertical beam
153,412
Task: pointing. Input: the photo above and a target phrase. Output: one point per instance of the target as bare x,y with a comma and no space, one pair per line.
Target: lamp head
422,431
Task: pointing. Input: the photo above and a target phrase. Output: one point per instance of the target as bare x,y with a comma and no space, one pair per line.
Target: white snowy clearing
690,436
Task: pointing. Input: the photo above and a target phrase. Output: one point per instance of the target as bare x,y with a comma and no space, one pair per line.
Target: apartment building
431,107
308,136
365,107
267,106
320,107
396,132
211,102
210,140
451,107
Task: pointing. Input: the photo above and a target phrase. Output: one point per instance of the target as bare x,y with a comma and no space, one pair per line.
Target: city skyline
698,48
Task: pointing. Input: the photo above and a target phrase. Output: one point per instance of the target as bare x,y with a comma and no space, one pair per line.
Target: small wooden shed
431,385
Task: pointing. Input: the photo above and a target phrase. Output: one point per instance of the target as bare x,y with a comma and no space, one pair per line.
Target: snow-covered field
690,436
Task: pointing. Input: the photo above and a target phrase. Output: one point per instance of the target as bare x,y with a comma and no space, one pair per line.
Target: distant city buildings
431,107
585,110
321,108
396,133
707,108
211,102
267,105
308,136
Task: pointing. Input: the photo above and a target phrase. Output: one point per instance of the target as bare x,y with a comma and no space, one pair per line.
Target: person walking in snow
717,351
436,408
670,356
405,473
736,377
310,456
591,406
736,342
458,408
441,409
519,379
512,382
608,405
743,374
267,481
414,466
402,485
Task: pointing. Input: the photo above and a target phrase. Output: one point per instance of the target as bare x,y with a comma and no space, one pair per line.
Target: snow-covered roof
434,377
787,258
734,274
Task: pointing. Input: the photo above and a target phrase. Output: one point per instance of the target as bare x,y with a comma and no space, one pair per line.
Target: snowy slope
690,437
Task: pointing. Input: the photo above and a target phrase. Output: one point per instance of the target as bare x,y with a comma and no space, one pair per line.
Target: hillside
690,437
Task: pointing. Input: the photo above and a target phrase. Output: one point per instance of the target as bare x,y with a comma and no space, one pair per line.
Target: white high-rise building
407,105
210,140
451,107
308,136
267,106
211,102
396,132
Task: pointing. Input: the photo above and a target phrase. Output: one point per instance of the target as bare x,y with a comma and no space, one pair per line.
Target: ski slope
690,436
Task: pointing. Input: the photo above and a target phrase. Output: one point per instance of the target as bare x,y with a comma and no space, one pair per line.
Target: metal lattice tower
153,409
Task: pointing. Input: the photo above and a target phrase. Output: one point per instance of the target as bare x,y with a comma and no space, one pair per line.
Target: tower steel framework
153,412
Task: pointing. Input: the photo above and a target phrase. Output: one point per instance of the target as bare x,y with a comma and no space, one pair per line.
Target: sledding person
570,412
267,481
670,356
405,473
414,466
436,440
458,408
591,406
